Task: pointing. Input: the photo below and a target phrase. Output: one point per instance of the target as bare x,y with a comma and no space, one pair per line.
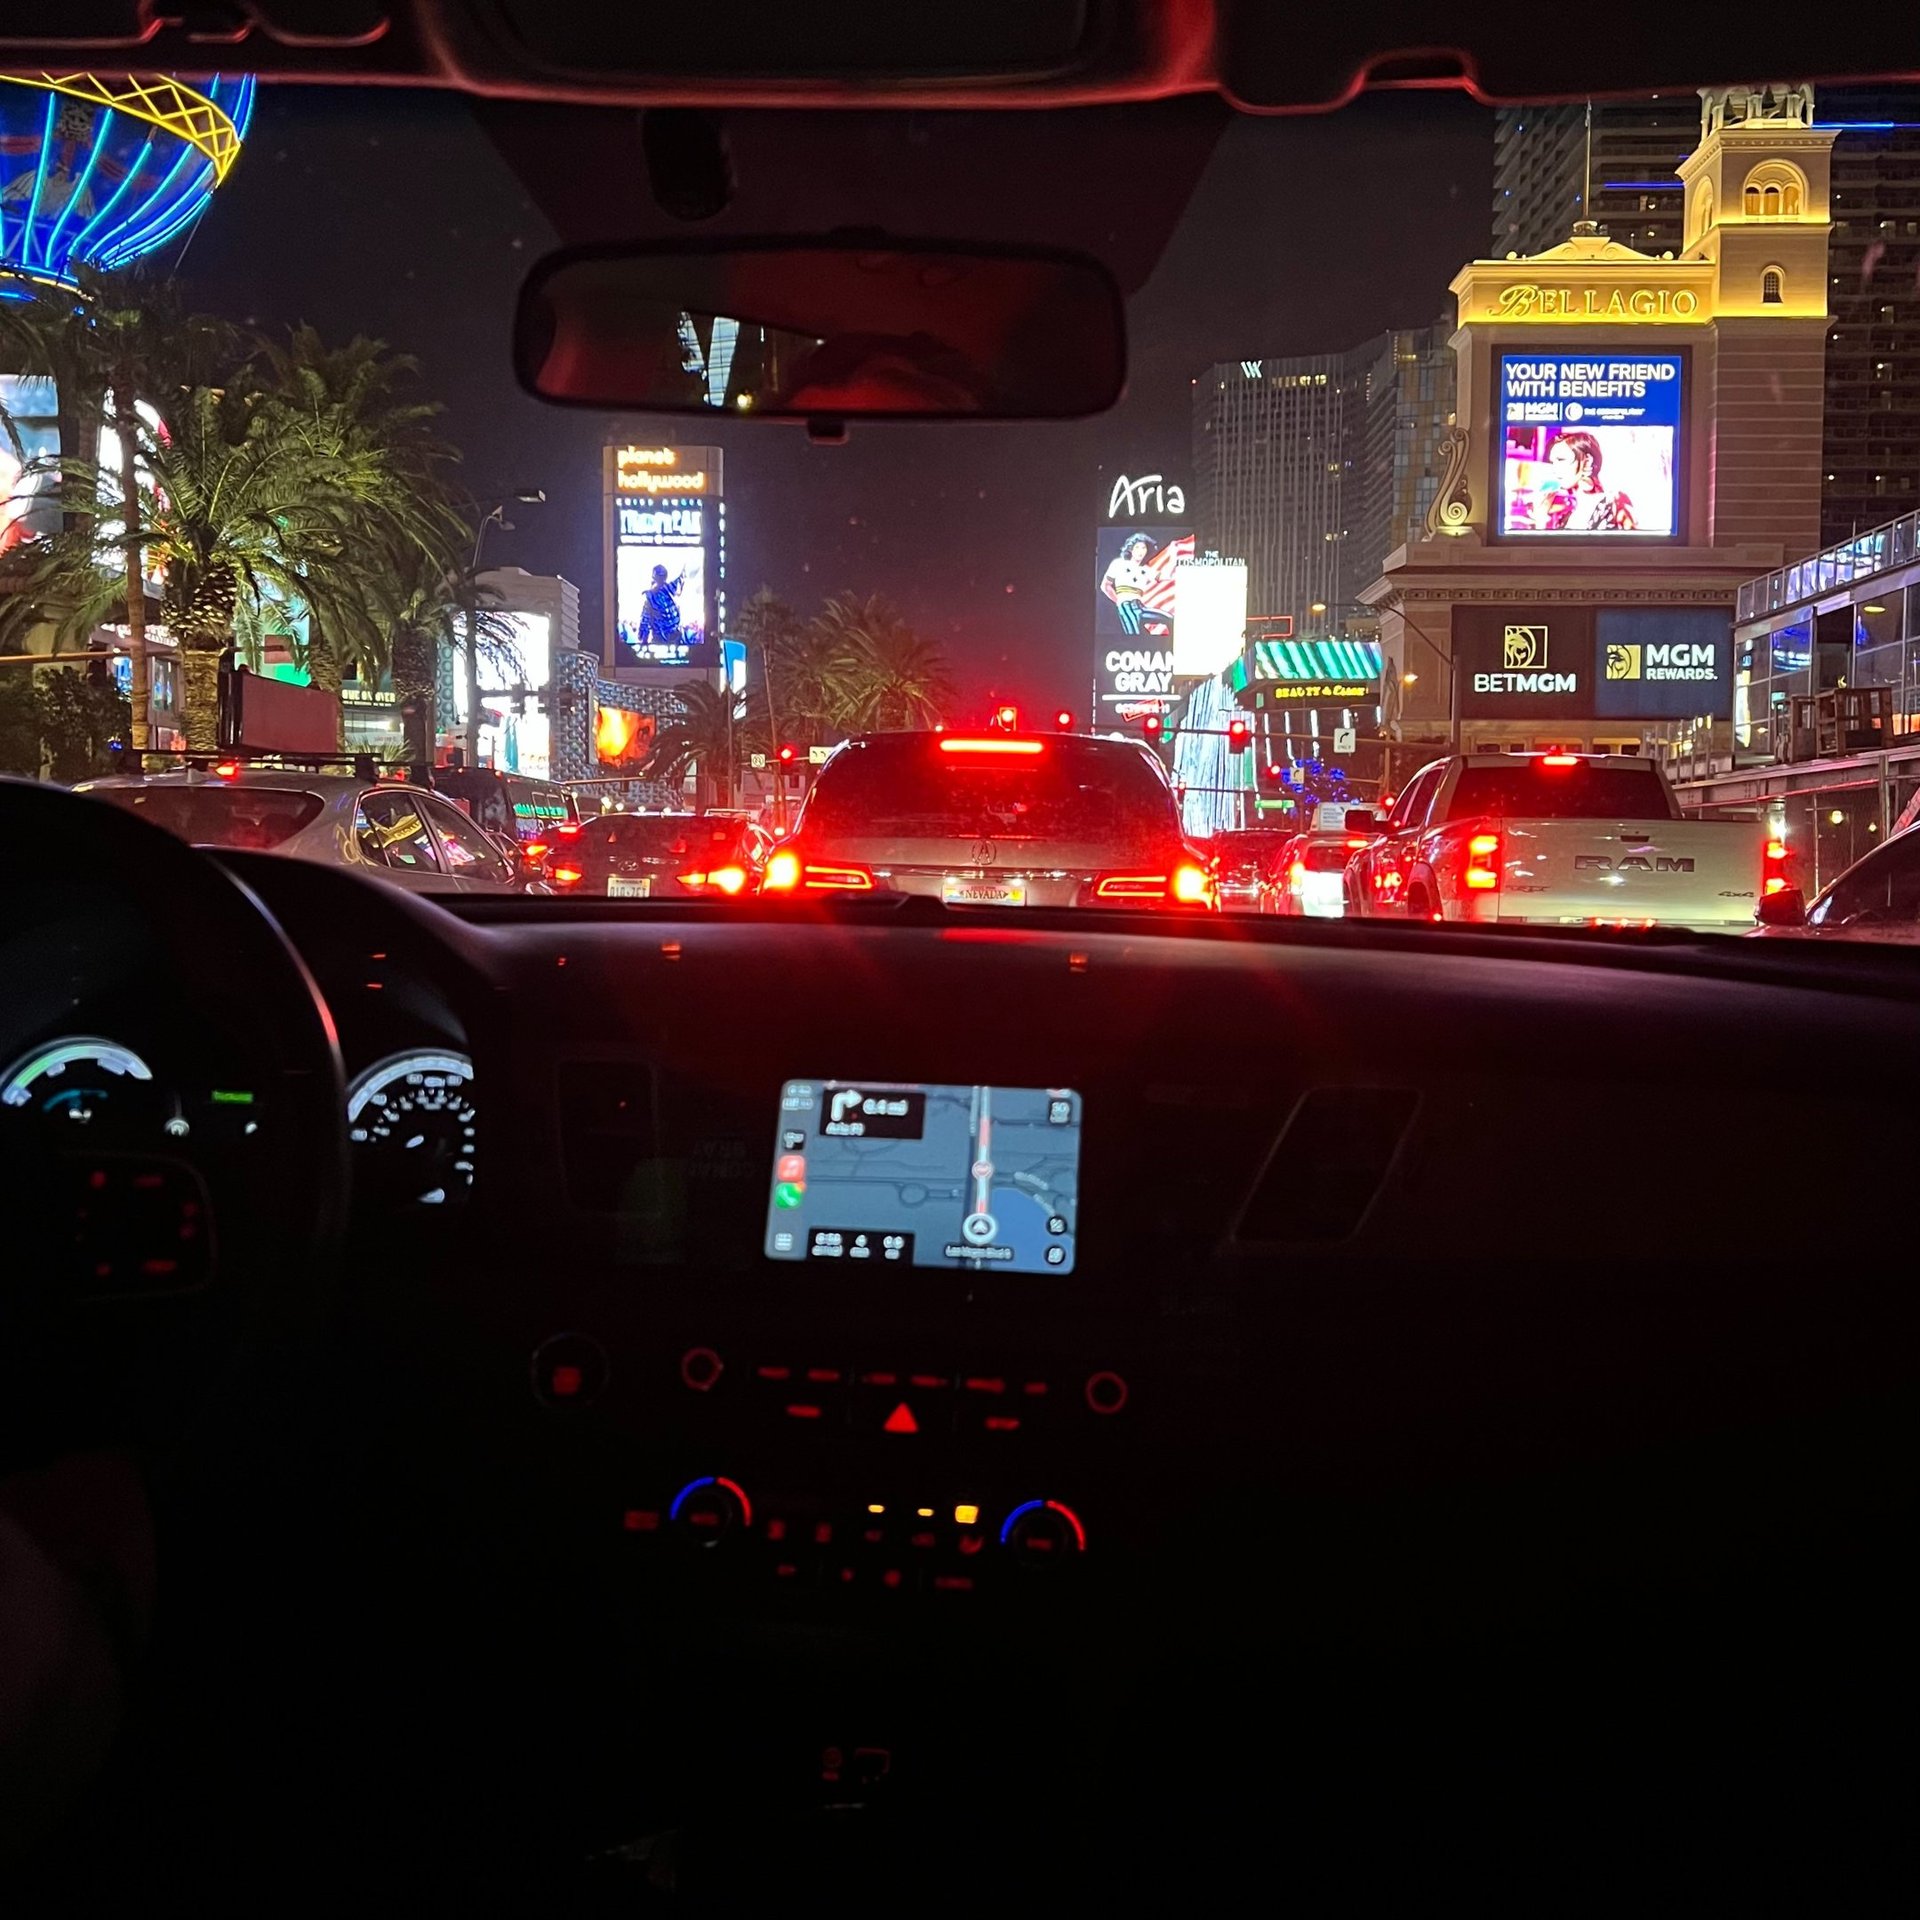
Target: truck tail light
1483,863
1773,871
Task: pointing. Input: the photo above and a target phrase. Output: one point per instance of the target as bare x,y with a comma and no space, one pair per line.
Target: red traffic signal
1063,720
1151,727
1007,717
788,755
1239,736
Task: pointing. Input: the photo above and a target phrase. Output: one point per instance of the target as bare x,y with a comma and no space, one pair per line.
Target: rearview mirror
820,329
1363,820
1787,908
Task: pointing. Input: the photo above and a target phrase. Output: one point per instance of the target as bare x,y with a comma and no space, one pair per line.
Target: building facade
1870,462
1315,468
1635,435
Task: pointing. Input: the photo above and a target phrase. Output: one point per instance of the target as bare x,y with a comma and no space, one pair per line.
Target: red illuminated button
570,1370
1106,1393
901,1420
701,1368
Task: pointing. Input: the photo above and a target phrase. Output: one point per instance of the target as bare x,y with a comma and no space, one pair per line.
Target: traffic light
1151,726
1063,720
1007,718
788,753
1239,736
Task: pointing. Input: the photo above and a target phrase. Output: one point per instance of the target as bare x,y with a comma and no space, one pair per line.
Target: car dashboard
1378,1292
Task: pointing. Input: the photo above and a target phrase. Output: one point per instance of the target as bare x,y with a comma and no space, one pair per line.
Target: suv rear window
1248,852
909,787
1584,791
1325,856
253,818
638,833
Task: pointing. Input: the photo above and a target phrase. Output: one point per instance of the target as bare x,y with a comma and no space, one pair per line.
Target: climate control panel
883,1547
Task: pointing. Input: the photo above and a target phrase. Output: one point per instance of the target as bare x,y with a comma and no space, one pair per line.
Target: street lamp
496,515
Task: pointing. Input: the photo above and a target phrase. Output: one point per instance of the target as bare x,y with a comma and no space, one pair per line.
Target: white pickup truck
1557,839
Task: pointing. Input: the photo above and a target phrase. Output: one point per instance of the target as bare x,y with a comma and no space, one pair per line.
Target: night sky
398,215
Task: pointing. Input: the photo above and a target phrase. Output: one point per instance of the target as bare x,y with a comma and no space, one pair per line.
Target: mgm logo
1623,662
1523,649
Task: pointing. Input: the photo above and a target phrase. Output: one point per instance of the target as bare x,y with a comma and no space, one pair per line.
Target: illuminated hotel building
1635,436
1316,467
1870,464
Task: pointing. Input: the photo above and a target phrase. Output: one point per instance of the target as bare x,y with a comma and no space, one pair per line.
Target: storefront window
1876,621
1793,646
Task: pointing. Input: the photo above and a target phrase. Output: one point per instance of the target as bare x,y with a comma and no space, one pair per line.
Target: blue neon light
1006,1526
102,133
89,183
40,177
692,1486
1640,186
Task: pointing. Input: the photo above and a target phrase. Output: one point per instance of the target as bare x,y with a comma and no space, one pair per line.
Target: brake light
958,743
1131,886
1559,759
227,769
1297,875
567,876
1357,840
1773,869
847,879
786,872
728,879
566,829
1483,863
1188,885
1192,886
534,851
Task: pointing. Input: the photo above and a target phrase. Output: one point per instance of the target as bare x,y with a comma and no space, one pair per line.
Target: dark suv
639,856
994,820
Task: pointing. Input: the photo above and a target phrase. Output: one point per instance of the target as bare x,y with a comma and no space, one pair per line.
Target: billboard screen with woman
1590,445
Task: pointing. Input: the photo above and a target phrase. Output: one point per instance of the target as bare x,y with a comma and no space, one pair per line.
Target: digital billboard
621,737
1134,571
664,551
29,432
1210,596
1590,445
514,660
1593,663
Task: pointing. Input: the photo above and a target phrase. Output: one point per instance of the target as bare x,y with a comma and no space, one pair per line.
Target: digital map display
878,1174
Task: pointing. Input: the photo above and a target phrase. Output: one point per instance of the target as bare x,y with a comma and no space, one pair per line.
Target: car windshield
1418,454
251,817
624,834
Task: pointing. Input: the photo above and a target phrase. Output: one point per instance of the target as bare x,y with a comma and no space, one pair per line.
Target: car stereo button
569,1371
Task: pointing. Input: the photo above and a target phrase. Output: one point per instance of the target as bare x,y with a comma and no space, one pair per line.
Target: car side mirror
1364,820
1787,908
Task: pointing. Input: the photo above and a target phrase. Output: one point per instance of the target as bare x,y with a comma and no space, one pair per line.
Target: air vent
609,1135
1328,1165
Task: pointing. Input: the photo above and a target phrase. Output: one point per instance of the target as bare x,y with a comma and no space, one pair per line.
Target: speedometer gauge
411,1121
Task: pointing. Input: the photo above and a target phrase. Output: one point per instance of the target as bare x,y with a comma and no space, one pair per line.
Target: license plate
999,890
619,887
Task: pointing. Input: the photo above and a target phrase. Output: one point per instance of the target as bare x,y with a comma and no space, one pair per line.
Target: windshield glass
255,818
1405,467
1583,791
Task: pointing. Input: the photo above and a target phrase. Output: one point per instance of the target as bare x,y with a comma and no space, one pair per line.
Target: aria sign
1147,498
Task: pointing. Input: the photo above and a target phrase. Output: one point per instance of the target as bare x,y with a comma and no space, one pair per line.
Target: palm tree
704,735
114,342
891,677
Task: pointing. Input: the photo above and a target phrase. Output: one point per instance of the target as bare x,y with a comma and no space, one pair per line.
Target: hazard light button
901,1420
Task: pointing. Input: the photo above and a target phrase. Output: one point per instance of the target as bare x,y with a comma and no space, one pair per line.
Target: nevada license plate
619,887
1008,890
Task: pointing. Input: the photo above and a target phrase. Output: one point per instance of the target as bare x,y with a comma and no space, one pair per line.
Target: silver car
994,820
411,837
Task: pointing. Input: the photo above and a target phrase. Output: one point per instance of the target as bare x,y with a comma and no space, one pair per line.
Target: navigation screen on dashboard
872,1173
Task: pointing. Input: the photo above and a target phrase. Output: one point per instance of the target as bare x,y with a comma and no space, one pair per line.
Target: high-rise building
1314,468
1870,468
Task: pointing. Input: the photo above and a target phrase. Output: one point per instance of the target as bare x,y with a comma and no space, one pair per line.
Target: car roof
279,777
